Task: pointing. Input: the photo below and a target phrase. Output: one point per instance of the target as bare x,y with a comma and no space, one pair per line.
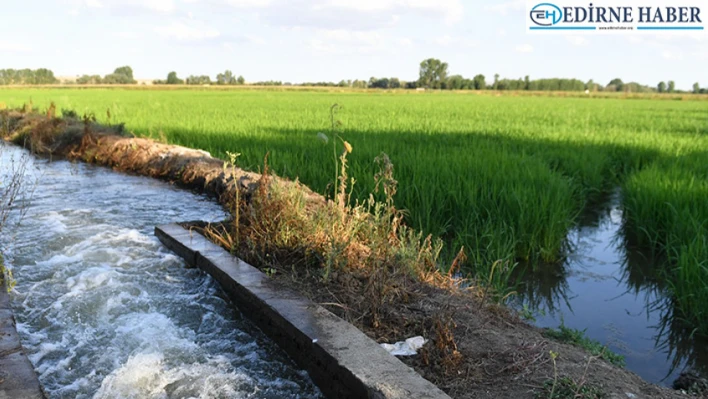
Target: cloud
125,7
449,41
12,47
255,39
154,5
317,14
343,14
700,55
524,48
341,41
348,42
93,4
507,7
450,10
672,55
126,35
681,36
405,42
577,40
187,32
234,3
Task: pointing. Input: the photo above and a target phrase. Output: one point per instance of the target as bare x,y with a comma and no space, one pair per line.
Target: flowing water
104,311
616,294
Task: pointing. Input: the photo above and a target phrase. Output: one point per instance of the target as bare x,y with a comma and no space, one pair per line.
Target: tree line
41,76
432,74
225,78
120,76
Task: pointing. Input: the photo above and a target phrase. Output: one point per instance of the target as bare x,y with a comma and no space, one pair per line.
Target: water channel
104,311
616,295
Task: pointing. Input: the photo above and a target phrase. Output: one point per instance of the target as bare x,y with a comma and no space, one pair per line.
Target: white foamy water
104,311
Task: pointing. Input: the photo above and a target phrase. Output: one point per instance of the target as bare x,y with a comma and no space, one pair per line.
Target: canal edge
18,379
341,360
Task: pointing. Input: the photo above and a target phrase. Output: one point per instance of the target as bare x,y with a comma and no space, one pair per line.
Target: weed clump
368,261
566,388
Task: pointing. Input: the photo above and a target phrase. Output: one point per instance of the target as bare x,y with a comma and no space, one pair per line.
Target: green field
504,176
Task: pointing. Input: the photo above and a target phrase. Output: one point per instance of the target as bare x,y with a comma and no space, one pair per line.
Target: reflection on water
105,311
616,294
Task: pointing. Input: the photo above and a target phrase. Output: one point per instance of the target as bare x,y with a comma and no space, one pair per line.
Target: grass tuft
566,388
577,337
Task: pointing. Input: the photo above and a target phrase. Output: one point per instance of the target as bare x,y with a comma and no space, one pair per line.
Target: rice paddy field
505,176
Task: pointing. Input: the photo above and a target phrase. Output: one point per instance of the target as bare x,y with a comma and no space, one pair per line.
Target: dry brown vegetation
497,93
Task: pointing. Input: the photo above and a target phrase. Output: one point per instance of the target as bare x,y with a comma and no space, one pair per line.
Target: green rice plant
506,177
667,212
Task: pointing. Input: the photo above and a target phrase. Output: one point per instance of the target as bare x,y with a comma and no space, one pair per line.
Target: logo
546,14
619,16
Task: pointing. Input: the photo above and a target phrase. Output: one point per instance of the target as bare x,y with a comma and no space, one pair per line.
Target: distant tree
672,86
198,80
661,87
124,70
117,79
479,82
394,83
527,82
383,83
495,86
240,80
360,84
27,76
590,85
43,76
455,82
122,75
268,83
89,80
617,84
226,78
172,79
696,88
634,87
433,73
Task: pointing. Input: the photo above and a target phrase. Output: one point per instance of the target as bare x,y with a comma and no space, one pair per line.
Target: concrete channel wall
341,360
17,377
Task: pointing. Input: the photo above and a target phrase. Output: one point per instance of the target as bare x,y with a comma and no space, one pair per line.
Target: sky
328,40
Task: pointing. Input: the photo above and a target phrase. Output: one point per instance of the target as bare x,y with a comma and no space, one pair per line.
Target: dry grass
357,259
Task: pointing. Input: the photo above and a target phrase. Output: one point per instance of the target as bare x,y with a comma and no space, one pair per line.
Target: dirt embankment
477,349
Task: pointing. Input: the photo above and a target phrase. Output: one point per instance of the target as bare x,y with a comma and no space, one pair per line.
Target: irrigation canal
105,312
617,296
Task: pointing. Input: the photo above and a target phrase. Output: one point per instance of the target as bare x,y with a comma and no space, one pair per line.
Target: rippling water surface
105,311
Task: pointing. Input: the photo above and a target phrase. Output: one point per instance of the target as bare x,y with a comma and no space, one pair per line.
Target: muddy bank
111,146
477,349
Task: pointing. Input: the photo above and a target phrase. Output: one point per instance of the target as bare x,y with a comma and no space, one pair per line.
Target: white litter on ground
408,347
